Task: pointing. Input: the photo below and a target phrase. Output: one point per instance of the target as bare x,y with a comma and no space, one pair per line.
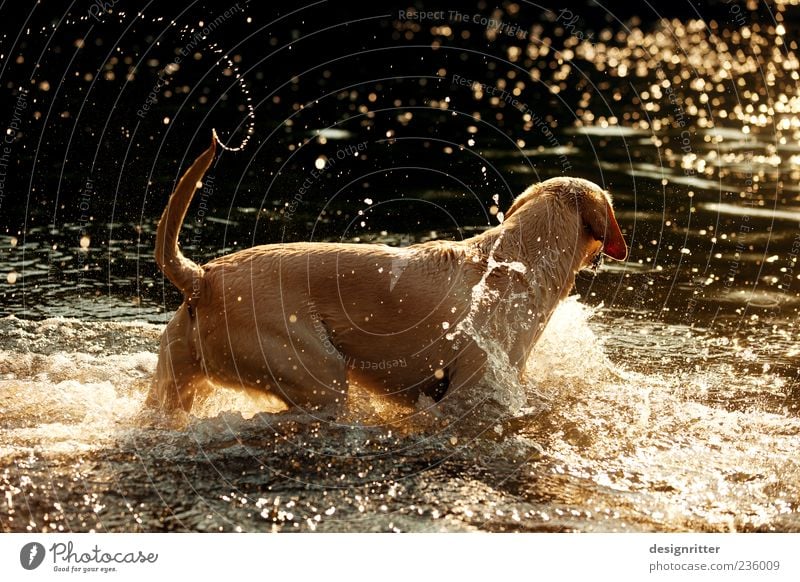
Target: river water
663,396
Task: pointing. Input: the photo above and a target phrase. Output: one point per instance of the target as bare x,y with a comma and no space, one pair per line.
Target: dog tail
184,273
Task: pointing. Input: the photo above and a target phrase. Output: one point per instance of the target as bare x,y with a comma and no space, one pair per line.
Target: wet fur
302,321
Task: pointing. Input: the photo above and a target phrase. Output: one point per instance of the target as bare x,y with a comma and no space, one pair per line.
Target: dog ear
602,224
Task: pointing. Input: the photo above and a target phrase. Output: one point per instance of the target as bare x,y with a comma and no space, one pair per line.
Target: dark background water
672,406
89,160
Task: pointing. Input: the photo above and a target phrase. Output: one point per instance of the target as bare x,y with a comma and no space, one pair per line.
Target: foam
691,445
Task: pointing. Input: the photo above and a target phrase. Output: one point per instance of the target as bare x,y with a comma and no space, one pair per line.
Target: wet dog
301,321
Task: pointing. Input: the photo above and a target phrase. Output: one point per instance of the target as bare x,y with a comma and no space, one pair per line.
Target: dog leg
307,375
179,379
470,405
320,391
463,375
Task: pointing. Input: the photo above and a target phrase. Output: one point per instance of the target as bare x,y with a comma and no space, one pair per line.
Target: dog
302,321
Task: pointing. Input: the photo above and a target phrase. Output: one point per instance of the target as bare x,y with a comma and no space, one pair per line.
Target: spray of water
249,120
500,381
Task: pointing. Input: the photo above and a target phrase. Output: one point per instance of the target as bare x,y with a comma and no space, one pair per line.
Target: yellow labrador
301,320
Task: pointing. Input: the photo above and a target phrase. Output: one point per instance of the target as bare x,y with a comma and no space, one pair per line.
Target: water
703,441
664,397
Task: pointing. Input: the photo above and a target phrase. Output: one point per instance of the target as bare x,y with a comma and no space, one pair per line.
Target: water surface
663,397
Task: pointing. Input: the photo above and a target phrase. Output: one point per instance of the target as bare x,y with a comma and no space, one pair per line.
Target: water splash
250,118
687,448
500,382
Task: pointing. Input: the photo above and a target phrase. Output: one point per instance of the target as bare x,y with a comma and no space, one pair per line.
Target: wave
616,435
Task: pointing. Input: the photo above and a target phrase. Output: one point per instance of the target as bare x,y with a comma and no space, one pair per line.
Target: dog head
583,201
